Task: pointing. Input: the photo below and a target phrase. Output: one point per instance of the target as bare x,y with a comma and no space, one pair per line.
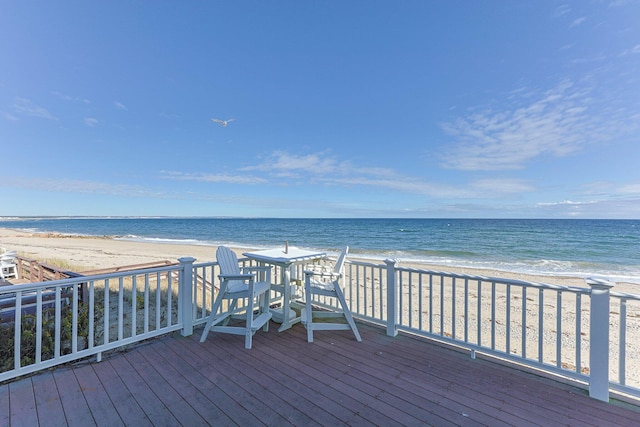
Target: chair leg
264,299
212,318
308,313
249,323
347,313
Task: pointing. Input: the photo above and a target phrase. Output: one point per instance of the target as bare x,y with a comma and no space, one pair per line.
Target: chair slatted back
228,261
337,268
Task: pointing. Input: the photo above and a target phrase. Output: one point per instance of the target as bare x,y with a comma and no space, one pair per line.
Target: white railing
558,329
587,334
60,321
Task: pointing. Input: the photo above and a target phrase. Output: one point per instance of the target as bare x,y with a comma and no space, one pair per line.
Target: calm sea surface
603,248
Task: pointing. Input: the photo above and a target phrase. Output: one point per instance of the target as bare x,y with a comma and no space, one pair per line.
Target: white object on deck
8,267
327,284
236,285
285,258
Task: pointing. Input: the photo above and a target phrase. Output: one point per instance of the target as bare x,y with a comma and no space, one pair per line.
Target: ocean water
598,248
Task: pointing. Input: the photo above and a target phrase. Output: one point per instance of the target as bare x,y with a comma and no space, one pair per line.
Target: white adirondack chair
236,285
8,267
327,284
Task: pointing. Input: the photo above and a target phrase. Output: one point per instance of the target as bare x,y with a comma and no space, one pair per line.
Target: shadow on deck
284,380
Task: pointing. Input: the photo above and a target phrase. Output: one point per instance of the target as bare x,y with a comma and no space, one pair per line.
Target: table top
279,256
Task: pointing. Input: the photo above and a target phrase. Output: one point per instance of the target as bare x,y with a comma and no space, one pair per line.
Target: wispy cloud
577,21
90,121
629,189
567,203
634,50
78,186
119,105
556,122
286,164
24,106
322,168
502,186
561,10
214,178
70,98
8,116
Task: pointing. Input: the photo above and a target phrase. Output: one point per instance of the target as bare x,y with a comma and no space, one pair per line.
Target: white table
285,258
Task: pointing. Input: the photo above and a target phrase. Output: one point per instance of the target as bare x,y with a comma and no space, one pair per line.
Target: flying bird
222,122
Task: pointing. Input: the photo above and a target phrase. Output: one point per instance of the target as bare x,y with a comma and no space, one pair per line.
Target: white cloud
566,203
282,161
119,105
215,178
502,186
577,21
323,169
28,108
8,116
633,189
556,122
70,98
561,10
634,50
90,121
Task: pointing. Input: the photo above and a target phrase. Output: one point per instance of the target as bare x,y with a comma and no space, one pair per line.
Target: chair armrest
236,276
256,268
321,273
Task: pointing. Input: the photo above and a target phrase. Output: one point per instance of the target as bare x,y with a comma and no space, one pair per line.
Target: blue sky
341,109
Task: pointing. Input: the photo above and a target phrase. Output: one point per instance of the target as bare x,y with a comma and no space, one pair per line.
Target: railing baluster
92,315
559,329
146,303
74,320
158,303
120,308
453,308
524,322
508,321
410,298
578,333
493,315
466,310
17,333
169,300
430,303
540,324
479,313
622,345
38,326
58,322
107,311
420,299
134,305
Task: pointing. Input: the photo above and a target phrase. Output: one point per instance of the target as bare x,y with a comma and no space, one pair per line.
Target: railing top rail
515,282
365,263
626,296
82,279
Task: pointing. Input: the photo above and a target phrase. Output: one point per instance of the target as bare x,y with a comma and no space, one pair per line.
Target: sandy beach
93,253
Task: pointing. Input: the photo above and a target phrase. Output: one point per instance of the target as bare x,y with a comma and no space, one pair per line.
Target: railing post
392,297
599,339
186,293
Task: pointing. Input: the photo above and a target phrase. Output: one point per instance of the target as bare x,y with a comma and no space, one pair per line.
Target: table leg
286,298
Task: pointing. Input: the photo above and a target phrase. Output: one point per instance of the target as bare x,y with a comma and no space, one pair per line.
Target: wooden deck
284,380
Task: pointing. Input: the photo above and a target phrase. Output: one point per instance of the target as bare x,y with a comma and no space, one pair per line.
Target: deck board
283,380
75,399
48,404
